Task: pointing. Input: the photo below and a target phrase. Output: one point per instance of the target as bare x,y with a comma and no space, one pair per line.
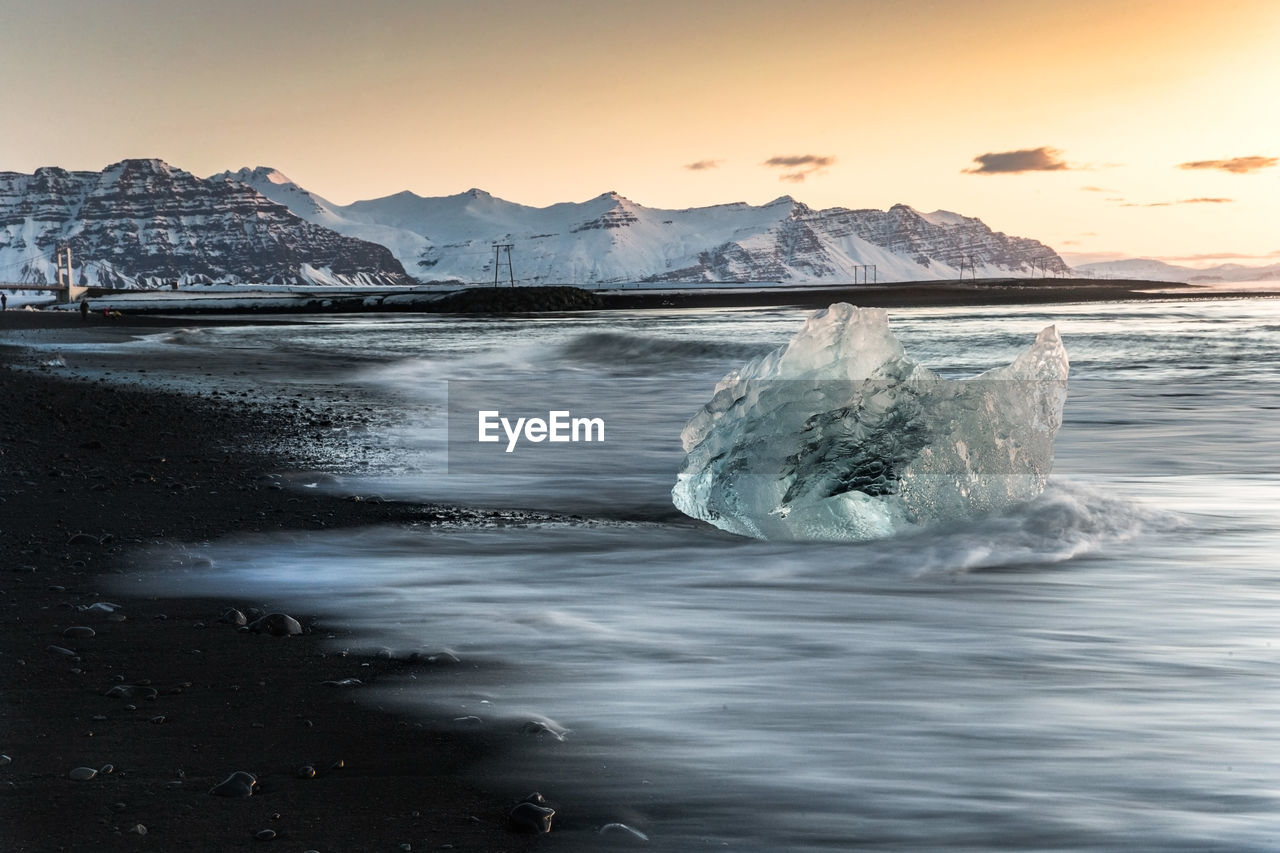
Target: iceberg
838,435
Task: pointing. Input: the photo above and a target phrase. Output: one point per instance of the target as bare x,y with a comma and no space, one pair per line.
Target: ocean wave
1068,521
613,347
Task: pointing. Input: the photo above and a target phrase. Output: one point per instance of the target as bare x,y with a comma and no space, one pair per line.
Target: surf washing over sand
1088,669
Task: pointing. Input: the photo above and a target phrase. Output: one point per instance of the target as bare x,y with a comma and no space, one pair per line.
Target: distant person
84,309
4,302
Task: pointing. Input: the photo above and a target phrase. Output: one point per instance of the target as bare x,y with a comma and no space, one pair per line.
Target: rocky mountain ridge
145,223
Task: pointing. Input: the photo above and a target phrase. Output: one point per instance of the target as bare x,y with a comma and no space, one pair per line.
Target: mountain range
146,223
1153,270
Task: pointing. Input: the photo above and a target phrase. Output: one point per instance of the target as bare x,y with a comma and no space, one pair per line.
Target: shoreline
275,306
92,474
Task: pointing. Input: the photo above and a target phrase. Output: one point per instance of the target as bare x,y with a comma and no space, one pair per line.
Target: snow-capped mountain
143,222
613,239
1153,270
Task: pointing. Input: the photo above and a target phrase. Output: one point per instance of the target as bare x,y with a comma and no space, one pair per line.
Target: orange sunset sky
1102,128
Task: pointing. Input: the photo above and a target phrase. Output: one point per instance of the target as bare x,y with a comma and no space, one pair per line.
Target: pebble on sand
79,632
532,815
82,774
5,761
238,784
130,691
544,728
621,829
102,607
276,624
265,835
233,617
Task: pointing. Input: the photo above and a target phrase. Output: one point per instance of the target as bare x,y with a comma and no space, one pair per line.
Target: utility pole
498,248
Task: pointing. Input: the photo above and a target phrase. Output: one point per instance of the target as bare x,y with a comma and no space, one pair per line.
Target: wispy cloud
703,165
801,165
1097,190
1236,165
1179,201
1041,159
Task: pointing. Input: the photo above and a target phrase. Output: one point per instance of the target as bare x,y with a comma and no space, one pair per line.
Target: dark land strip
566,298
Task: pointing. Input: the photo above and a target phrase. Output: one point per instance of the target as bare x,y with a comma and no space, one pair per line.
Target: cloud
1236,165
1097,190
1015,162
813,160
1179,201
802,165
703,165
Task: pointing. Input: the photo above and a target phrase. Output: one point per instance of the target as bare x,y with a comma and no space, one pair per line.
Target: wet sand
90,475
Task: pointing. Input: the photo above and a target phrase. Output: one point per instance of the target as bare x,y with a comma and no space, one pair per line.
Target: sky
1105,129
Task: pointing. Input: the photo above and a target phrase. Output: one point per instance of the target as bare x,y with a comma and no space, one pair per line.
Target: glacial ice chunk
838,435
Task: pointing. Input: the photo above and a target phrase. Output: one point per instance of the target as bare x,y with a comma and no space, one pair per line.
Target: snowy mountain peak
140,165
613,197
257,175
945,218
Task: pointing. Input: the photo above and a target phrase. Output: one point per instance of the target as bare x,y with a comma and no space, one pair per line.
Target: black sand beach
91,474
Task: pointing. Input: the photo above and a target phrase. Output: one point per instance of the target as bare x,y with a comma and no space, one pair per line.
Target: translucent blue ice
840,436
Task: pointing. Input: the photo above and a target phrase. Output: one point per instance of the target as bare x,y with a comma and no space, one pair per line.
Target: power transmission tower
498,248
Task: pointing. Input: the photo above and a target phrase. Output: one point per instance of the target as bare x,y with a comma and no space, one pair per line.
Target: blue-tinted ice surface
839,436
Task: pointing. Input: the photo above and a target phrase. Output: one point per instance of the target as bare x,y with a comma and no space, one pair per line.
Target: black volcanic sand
90,475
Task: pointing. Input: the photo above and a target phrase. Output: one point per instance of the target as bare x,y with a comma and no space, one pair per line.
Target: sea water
1096,670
